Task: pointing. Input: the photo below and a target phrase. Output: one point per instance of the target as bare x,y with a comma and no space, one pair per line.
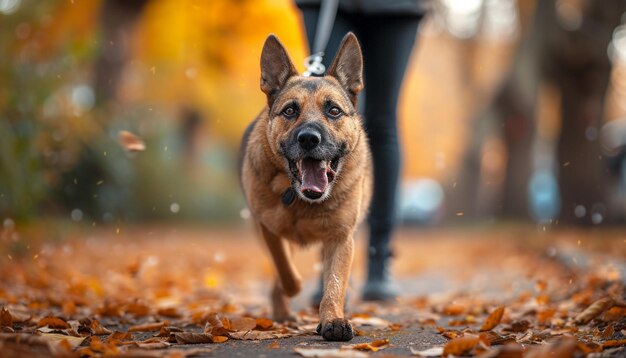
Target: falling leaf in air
493,319
130,142
594,310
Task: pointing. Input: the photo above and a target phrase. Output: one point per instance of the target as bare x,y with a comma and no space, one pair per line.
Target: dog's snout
309,138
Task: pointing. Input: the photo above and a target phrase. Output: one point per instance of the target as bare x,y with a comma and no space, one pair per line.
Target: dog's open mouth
315,176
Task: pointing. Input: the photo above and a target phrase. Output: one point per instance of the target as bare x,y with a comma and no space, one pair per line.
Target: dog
306,172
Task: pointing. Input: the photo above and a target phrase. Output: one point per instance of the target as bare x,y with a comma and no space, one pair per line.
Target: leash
313,63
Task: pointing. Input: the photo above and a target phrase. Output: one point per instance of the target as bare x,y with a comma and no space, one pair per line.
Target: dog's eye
289,112
334,112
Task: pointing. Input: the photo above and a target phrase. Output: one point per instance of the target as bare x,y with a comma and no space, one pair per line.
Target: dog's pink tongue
314,175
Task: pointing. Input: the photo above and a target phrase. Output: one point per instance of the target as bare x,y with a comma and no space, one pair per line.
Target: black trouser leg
387,44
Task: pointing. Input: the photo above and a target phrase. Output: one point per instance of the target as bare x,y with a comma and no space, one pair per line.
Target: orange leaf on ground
171,312
53,322
258,335
372,346
137,309
461,345
6,320
453,310
594,310
264,323
193,338
614,343
148,327
117,337
493,319
243,324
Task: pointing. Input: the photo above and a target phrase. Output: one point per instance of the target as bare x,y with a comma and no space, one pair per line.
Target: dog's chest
301,223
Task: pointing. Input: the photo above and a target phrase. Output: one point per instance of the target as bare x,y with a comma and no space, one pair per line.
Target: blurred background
511,110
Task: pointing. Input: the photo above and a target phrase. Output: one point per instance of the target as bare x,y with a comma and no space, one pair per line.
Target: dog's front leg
337,256
288,282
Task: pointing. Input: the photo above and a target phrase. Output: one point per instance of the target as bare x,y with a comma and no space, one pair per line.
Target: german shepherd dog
306,174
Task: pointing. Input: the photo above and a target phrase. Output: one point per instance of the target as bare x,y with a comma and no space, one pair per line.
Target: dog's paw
338,329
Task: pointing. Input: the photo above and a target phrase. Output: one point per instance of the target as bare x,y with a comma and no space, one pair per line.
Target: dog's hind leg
337,256
280,304
289,282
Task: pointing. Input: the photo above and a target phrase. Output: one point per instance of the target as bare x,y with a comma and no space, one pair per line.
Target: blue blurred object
420,201
543,196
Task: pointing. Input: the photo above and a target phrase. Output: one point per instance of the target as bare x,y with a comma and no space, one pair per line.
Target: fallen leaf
6,320
493,319
453,310
430,352
193,338
264,323
95,327
170,312
119,337
148,327
518,326
137,309
372,346
461,345
55,338
131,142
330,353
594,310
243,324
608,332
614,343
258,335
53,322
273,345
152,343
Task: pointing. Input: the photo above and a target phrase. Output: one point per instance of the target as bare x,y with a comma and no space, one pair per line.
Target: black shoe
379,285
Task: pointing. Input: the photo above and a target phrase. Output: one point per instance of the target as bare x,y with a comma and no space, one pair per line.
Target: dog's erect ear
347,67
276,67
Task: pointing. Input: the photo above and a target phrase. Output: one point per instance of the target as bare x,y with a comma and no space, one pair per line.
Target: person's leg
387,44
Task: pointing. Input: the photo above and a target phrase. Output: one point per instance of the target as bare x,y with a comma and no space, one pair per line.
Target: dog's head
313,122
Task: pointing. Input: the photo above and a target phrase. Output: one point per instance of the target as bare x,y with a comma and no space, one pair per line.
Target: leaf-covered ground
182,291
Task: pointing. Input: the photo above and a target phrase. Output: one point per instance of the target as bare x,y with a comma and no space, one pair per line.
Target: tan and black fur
322,131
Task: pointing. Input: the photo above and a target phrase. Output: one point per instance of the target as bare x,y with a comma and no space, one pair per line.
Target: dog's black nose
309,138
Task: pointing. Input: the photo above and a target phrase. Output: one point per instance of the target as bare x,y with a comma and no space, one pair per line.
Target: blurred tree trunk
512,109
577,62
117,20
